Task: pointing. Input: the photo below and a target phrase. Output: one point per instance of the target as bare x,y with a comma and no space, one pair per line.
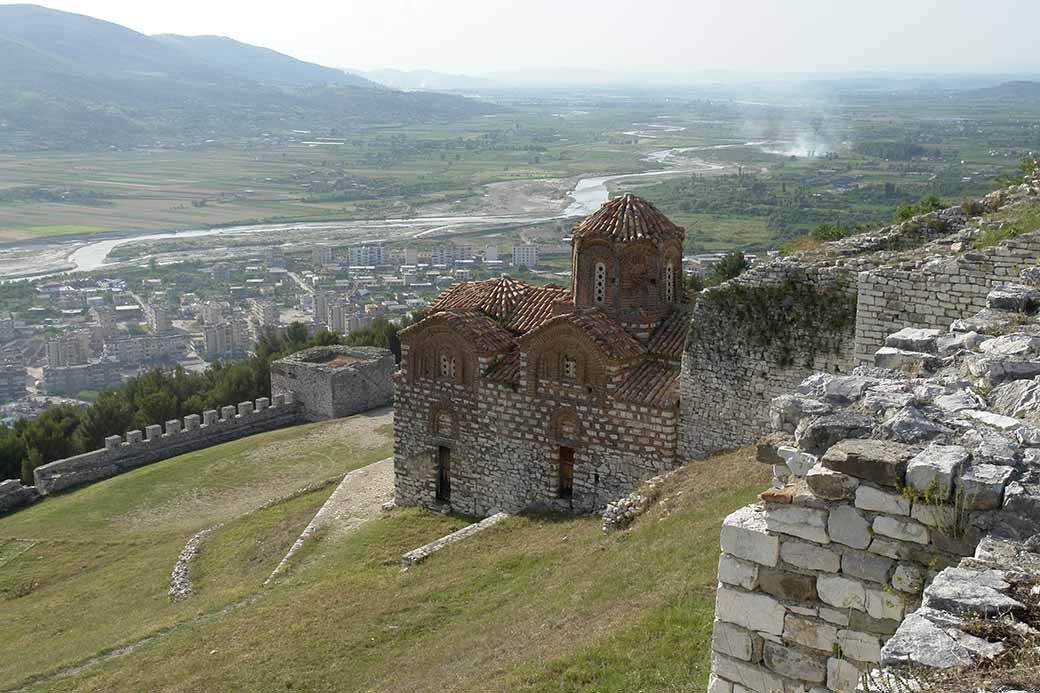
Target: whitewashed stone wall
886,479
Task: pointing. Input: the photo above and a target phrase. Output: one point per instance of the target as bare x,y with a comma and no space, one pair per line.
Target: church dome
627,218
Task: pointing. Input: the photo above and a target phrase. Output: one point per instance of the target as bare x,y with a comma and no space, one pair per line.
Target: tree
110,414
729,267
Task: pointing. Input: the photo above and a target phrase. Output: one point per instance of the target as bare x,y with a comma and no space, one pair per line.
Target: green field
537,603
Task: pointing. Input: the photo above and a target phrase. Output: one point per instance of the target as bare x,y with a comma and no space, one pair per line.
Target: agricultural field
515,608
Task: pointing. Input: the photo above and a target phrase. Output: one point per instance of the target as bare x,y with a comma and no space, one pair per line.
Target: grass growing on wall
789,320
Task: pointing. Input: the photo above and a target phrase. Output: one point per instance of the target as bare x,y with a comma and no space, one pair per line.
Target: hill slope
69,79
536,603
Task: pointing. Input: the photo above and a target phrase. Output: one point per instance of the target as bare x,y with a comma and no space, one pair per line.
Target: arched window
600,285
669,283
445,366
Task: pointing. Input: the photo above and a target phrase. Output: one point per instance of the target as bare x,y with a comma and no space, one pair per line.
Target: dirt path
358,498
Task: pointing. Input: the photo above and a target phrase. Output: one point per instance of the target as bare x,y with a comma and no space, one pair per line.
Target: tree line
158,395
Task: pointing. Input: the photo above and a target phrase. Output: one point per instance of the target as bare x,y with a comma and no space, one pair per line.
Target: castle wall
326,390
932,293
505,445
754,338
14,495
194,433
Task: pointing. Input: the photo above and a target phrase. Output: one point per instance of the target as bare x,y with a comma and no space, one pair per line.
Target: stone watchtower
334,381
627,260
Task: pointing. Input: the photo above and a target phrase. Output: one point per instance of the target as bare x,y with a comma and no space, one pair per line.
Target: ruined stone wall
154,444
505,445
933,292
754,338
14,495
919,273
902,502
335,381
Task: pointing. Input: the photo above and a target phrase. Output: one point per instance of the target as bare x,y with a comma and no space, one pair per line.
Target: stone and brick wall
331,382
505,444
193,433
902,502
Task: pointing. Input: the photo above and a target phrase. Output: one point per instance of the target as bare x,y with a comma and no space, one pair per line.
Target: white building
525,255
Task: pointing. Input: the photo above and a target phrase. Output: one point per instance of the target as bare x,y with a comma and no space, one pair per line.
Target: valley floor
536,603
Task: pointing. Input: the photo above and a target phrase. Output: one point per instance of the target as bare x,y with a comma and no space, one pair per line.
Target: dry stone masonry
759,335
905,512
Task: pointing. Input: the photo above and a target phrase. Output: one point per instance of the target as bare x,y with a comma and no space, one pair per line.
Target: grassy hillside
536,603
85,572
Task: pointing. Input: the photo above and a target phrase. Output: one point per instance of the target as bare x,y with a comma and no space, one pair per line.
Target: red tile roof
519,305
605,332
669,338
627,218
475,327
537,307
653,383
506,369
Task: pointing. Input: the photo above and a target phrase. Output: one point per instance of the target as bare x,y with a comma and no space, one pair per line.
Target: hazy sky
477,36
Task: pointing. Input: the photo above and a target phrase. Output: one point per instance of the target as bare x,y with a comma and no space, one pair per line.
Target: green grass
85,572
540,603
60,230
1012,222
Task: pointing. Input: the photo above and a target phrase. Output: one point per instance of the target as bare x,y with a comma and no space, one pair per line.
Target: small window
600,285
445,366
452,367
669,283
570,368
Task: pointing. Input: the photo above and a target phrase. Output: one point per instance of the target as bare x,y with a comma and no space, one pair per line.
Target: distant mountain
1018,90
258,64
427,80
72,80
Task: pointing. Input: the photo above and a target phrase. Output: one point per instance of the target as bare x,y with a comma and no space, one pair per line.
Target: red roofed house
513,396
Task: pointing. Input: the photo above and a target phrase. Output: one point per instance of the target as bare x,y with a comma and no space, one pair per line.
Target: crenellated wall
154,443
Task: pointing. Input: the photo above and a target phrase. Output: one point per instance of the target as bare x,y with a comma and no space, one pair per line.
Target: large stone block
902,530
734,571
745,535
810,633
736,642
750,610
822,433
752,677
876,500
866,566
829,484
884,605
914,339
862,647
841,592
981,486
795,664
933,469
842,675
798,521
808,556
846,525
786,585
881,462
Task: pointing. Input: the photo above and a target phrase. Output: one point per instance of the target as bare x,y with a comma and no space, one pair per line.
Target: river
586,197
